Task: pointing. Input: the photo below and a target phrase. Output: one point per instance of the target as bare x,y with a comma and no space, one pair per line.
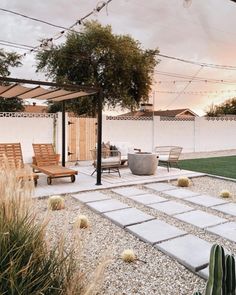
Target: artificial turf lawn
222,166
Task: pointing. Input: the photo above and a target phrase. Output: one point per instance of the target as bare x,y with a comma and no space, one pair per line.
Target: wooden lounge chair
110,162
47,163
13,154
168,155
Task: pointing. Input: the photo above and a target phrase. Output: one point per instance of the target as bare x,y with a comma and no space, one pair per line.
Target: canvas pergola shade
56,93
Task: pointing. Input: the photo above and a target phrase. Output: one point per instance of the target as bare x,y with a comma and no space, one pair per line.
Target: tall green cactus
222,279
216,281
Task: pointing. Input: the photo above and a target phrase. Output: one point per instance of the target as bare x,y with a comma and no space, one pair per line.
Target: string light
48,42
196,92
203,64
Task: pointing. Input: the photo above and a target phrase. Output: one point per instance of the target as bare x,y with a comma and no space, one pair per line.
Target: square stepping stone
229,208
155,231
128,191
171,207
128,216
148,199
200,218
107,205
91,197
160,186
206,200
181,193
226,230
204,273
189,250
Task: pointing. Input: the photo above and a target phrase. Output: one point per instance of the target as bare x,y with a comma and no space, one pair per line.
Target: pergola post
99,138
63,128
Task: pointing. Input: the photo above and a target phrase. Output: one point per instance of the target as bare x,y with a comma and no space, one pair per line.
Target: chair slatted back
45,154
12,152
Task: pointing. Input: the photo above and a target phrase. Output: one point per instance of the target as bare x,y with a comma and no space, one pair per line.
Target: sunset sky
205,32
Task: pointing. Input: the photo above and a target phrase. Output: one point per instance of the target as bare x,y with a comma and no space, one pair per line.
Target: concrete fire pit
142,163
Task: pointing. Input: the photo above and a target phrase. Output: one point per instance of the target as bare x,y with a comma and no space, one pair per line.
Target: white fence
30,128
197,134
194,134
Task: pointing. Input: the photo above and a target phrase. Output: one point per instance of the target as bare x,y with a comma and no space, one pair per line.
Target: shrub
27,266
81,221
225,194
56,203
128,255
183,181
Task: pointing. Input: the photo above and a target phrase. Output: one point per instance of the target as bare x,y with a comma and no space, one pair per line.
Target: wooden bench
11,156
47,162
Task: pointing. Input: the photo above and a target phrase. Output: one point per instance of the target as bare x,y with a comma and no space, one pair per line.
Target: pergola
56,93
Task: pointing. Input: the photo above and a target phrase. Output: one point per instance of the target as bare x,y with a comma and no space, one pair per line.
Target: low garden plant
28,265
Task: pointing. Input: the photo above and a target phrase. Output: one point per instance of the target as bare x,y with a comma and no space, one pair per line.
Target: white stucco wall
26,130
136,132
202,134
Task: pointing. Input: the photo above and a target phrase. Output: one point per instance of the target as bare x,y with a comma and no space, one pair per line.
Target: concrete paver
148,199
155,231
171,207
188,250
181,193
200,218
107,205
129,216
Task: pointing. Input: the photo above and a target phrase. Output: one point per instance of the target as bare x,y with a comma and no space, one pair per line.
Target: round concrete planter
143,163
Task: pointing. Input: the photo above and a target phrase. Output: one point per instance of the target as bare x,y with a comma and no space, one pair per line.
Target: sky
204,32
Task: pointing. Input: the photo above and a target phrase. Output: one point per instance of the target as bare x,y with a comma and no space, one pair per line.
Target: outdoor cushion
163,157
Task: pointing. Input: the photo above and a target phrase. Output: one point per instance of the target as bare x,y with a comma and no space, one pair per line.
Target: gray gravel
160,274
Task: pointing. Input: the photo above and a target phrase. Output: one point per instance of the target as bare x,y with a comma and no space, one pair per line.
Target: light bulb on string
187,3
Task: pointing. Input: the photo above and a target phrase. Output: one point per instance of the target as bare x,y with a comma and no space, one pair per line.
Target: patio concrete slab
160,186
128,191
200,218
155,231
148,199
126,217
226,230
181,193
206,200
229,208
107,205
91,197
189,250
171,207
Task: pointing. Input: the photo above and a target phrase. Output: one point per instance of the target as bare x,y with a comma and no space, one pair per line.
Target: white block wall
26,130
137,132
194,136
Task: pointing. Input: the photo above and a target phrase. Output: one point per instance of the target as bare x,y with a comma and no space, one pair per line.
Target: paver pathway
187,249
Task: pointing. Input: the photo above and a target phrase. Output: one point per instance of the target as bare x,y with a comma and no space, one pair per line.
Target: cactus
230,275
222,279
183,181
216,281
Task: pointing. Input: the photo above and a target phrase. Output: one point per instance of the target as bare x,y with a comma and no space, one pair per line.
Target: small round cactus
128,255
183,181
81,221
56,203
225,194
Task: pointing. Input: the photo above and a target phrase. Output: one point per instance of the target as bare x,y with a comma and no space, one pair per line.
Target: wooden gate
82,137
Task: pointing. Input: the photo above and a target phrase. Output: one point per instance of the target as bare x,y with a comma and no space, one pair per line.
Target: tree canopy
97,57
226,108
8,60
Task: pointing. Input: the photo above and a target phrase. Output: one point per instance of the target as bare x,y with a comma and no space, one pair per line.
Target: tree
226,108
8,60
116,63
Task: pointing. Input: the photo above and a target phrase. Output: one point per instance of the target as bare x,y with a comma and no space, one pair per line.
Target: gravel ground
157,273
